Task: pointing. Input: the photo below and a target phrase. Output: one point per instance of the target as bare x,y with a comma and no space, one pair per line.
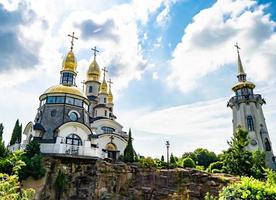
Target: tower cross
110,82
95,51
83,82
72,41
105,71
111,138
237,46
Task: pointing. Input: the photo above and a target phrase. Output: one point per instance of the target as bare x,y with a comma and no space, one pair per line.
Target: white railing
17,146
68,149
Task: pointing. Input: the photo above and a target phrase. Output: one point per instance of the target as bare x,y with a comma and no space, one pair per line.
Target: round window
253,142
73,116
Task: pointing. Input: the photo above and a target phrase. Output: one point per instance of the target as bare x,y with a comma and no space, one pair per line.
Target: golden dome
93,73
103,87
111,147
245,84
70,62
62,89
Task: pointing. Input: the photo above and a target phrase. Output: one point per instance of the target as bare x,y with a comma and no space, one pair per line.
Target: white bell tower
248,113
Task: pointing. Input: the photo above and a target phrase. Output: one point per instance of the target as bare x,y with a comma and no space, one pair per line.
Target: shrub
216,165
188,162
199,167
250,189
147,162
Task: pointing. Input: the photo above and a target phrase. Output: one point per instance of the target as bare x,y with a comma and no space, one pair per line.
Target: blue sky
172,61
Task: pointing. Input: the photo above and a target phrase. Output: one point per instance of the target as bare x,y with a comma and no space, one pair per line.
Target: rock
102,179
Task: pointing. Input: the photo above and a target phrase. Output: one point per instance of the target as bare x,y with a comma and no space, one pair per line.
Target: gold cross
104,70
72,41
110,82
237,46
95,51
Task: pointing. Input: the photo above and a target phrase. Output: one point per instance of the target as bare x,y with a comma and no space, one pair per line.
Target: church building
248,113
70,121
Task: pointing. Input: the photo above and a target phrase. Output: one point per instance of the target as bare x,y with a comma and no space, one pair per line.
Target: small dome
103,87
93,73
70,62
62,89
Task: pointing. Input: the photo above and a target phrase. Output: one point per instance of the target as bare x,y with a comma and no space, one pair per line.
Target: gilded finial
72,41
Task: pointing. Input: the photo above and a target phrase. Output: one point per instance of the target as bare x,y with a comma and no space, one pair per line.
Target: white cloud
205,124
207,43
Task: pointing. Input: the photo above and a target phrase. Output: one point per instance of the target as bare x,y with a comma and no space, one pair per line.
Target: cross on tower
111,138
83,82
95,51
110,82
72,41
104,70
237,46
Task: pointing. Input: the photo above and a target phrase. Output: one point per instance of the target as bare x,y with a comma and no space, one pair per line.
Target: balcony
246,99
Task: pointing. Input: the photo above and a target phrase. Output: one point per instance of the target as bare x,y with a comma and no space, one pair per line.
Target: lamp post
168,154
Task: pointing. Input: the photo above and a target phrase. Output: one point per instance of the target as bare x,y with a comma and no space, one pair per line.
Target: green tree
32,149
204,157
188,162
162,158
1,131
190,155
239,161
10,188
3,149
129,153
16,133
34,162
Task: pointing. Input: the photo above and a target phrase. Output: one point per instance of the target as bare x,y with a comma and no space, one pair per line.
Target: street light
168,155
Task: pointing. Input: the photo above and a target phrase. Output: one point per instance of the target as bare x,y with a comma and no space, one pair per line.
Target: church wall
50,122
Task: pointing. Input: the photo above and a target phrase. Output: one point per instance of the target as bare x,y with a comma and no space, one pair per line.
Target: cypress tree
129,151
162,158
16,133
3,149
1,131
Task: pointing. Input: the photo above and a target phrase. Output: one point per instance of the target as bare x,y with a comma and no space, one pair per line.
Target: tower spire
241,74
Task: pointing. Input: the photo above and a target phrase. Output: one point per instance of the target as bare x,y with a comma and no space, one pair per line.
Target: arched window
104,100
73,139
250,123
267,145
105,113
90,89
